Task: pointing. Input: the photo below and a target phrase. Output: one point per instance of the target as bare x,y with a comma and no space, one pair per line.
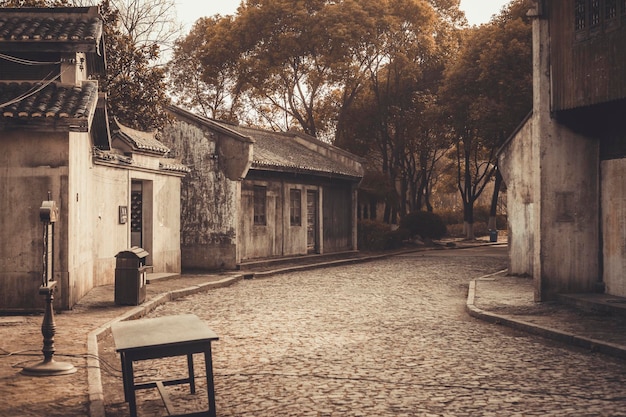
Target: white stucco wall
514,162
95,236
30,167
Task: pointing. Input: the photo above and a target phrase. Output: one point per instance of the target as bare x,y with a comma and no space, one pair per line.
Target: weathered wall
96,234
613,225
570,211
278,238
30,167
337,219
553,179
81,222
111,237
210,201
514,163
567,243
587,64
87,234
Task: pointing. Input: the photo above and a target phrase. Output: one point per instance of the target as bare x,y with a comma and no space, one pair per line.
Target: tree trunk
468,228
468,219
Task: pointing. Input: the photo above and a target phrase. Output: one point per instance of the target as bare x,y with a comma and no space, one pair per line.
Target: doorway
141,216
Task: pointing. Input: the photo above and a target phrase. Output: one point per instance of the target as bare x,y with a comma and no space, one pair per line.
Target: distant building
114,188
255,194
565,168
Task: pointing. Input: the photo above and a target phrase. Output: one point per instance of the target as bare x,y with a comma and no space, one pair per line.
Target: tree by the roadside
487,93
136,88
207,87
283,63
394,121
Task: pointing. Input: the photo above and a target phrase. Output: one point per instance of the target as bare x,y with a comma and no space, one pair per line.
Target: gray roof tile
16,25
29,100
281,151
141,141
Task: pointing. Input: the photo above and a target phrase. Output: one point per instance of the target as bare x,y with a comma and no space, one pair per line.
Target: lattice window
594,13
295,207
136,212
260,200
580,14
610,9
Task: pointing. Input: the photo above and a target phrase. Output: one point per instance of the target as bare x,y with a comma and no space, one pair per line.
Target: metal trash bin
130,276
493,235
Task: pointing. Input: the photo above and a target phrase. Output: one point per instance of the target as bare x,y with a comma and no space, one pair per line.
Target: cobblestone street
389,337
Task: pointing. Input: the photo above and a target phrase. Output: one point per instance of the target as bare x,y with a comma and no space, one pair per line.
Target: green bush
377,236
424,224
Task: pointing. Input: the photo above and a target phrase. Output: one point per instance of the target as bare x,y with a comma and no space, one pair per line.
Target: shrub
376,236
424,224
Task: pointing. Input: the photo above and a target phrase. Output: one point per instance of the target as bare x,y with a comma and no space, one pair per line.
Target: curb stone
594,345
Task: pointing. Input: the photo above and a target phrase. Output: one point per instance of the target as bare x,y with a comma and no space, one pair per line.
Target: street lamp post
48,213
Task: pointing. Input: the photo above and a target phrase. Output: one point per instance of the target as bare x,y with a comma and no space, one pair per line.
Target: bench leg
192,377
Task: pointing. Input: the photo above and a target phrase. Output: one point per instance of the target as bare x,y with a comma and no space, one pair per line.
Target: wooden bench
163,337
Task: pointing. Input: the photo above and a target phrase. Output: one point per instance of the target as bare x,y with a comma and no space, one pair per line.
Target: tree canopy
297,64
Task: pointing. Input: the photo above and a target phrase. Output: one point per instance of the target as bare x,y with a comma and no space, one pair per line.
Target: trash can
130,276
493,235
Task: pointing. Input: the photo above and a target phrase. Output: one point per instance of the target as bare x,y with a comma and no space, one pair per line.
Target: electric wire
27,61
105,365
37,87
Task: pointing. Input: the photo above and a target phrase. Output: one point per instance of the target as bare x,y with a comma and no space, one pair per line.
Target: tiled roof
38,102
141,141
167,165
280,151
44,25
286,152
172,165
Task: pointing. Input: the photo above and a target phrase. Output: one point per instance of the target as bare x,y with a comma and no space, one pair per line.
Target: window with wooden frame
610,9
594,13
260,202
295,207
595,16
580,12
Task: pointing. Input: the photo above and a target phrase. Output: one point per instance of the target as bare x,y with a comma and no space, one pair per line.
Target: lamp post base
49,368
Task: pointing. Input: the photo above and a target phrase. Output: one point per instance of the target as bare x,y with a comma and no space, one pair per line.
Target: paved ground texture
388,337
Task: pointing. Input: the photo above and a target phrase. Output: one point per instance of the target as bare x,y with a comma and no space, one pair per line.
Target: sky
188,11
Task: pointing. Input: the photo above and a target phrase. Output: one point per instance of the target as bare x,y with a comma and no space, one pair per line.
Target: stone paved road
384,338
